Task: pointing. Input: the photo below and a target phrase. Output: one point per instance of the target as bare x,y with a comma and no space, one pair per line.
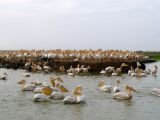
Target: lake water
18,105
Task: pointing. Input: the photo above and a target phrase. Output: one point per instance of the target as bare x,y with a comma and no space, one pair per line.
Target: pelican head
138,64
129,88
59,79
77,91
53,82
101,83
118,81
156,66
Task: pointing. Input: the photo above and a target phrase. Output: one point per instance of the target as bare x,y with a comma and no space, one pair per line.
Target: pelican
44,96
116,88
59,94
119,70
156,91
71,74
47,68
56,83
26,87
154,71
103,72
130,71
38,90
124,95
104,88
76,98
115,73
109,69
138,70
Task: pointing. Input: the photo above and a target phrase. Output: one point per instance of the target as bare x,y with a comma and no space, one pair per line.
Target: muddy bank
95,66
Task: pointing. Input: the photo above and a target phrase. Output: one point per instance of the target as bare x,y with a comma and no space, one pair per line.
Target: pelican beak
63,89
21,82
53,82
59,79
138,64
47,90
124,65
131,88
118,81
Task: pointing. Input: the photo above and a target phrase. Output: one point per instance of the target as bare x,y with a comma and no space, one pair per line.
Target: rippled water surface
18,105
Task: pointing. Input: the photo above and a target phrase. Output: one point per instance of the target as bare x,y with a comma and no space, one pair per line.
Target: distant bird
154,71
104,88
156,91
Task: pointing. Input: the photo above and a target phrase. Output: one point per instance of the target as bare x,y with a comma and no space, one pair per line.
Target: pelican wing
121,96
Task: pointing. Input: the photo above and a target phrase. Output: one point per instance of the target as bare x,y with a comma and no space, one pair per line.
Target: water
18,105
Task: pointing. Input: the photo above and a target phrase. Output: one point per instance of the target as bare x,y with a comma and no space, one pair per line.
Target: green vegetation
152,54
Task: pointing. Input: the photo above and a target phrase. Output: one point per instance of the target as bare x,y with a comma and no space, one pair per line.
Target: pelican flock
55,88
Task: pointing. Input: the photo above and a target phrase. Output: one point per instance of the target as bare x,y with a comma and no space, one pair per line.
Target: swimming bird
156,91
104,88
44,96
124,95
130,71
76,98
102,72
59,94
117,88
119,70
26,87
154,70
109,69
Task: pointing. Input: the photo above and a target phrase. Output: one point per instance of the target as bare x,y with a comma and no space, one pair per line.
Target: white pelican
103,72
104,88
76,98
59,94
56,82
124,95
109,69
119,70
117,88
138,70
47,69
154,71
130,71
26,87
44,96
71,74
156,91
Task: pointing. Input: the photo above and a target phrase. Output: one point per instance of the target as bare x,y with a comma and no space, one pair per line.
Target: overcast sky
80,24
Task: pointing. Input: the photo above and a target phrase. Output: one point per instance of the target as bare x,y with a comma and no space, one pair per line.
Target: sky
80,24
